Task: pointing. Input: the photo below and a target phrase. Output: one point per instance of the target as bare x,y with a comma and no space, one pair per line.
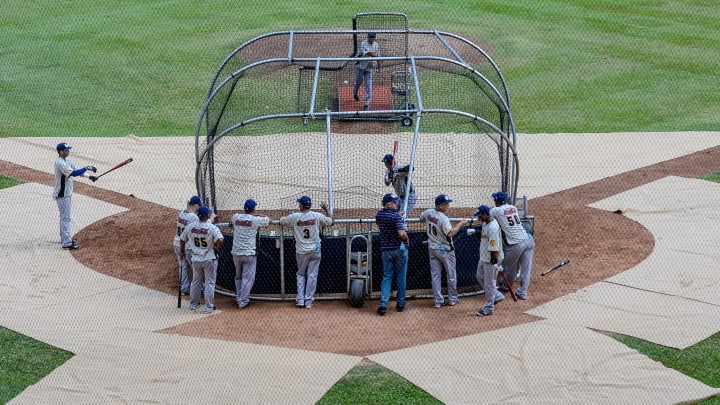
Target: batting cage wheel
357,293
283,118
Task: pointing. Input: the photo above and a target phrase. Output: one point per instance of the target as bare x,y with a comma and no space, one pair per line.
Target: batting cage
281,121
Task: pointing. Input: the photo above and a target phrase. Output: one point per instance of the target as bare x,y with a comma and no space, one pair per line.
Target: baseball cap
195,200
390,197
499,196
63,146
442,199
387,158
250,205
204,211
372,34
305,201
483,209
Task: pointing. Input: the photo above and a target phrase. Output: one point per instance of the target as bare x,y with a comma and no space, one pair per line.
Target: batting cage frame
283,119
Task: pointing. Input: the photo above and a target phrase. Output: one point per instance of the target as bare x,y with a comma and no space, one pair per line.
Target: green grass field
112,68
120,67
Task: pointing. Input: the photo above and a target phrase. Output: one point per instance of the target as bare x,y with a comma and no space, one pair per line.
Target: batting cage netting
281,121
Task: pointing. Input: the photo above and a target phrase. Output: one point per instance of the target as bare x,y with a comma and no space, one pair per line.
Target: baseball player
490,257
364,69
393,244
245,229
205,242
398,176
65,170
185,218
441,249
518,245
306,226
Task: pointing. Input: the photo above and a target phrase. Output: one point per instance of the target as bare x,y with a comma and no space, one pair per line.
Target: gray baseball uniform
306,229
398,177
62,194
201,236
518,248
486,274
245,229
184,219
442,255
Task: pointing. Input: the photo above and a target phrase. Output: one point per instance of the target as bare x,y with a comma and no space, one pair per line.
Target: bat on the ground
116,167
557,266
509,286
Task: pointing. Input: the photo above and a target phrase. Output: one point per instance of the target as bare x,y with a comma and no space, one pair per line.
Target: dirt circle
599,244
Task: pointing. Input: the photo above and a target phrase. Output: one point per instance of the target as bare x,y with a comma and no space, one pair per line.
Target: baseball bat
557,266
509,286
395,149
116,167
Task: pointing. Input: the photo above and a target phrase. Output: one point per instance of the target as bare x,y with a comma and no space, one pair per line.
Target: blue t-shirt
389,222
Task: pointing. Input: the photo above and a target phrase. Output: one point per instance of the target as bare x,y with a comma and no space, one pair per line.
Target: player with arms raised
245,228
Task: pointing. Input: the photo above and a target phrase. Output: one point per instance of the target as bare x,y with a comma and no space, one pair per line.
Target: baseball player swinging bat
557,266
116,167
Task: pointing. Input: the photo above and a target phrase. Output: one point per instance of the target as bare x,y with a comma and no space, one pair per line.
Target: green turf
118,67
715,177
24,361
6,182
374,384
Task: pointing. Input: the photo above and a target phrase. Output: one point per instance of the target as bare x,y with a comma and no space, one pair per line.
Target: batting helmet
499,196
195,200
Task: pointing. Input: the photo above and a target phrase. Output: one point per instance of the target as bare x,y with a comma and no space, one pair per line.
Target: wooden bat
557,266
509,286
116,167
395,149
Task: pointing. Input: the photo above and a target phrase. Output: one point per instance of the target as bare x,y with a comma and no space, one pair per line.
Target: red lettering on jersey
309,222
243,223
201,231
509,211
182,221
432,219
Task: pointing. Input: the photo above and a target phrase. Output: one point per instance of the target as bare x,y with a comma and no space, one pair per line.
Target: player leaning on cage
185,218
441,249
518,245
65,171
306,225
490,257
245,229
205,241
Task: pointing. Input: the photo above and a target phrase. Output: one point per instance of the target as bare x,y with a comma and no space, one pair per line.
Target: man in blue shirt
393,243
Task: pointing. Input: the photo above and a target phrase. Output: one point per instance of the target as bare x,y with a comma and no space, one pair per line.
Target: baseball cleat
208,310
381,311
72,246
436,305
483,312
300,304
355,96
453,303
193,306
400,308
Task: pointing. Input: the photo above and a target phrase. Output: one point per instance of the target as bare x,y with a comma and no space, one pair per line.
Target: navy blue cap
195,200
499,196
250,205
387,158
305,201
372,34
442,199
63,146
390,197
204,211
483,209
